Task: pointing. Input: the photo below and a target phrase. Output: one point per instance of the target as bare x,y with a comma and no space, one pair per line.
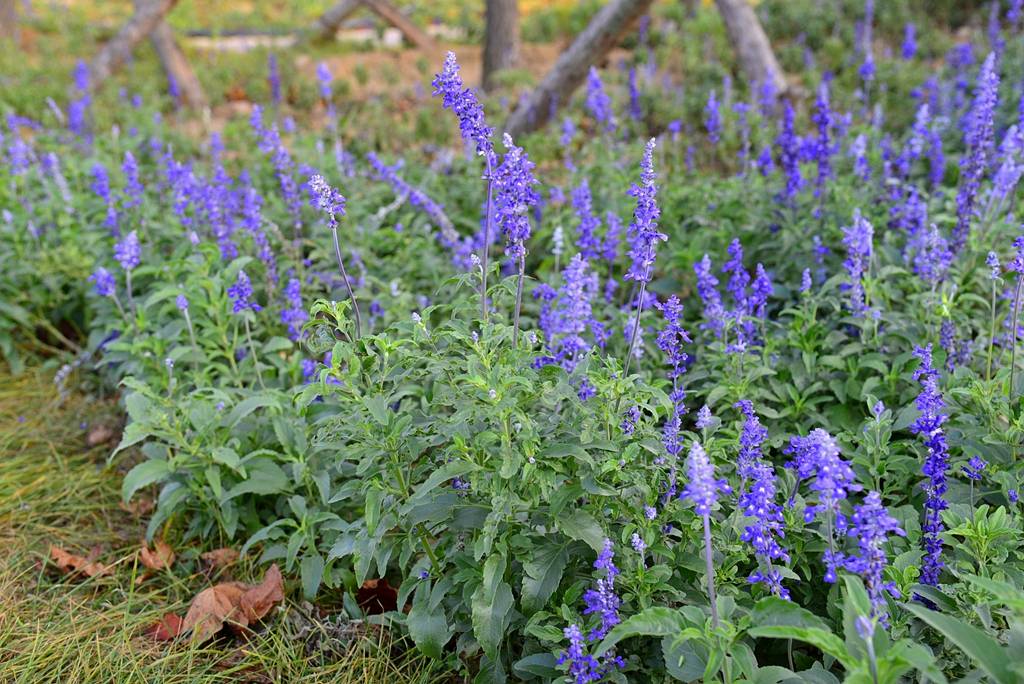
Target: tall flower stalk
473,126
643,236
702,490
514,183
936,464
332,204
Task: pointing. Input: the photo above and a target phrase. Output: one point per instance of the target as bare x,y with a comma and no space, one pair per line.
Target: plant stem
709,566
252,350
636,327
519,302
348,283
485,249
992,334
1013,342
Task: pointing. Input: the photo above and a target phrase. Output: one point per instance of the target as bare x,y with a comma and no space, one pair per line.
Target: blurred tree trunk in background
501,39
330,21
9,20
176,66
116,52
750,43
572,66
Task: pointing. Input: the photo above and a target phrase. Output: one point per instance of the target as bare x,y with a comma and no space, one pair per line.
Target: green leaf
776,618
249,405
142,475
544,665
492,607
582,526
543,573
372,509
655,621
225,456
378,408
985,651
265,477
311,569
439,476
428,628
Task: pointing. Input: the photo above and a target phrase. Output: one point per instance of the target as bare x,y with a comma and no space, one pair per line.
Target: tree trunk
9,20
572,66
177,68
327,25
501,39
117,51
751,43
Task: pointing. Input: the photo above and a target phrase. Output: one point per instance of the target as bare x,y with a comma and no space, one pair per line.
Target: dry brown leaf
168,628
139,506
162,555
101,434
220,558
72,564
376,596
258,601
211,608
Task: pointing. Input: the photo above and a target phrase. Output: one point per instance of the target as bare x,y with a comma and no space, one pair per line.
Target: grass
55,489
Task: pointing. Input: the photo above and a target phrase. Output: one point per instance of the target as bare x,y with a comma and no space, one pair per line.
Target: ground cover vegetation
706,381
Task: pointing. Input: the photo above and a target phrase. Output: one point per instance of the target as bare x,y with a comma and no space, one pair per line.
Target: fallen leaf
235,603
162,555
220,558
72,564
101,434
211,608
168,628
139,506
376,596
258,601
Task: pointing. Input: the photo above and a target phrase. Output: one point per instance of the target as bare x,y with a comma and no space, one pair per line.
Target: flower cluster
515,194
643,230
936,464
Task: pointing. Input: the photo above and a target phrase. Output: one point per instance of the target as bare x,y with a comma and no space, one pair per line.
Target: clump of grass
54,489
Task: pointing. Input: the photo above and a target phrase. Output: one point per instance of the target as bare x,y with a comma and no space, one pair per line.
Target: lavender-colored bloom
933,258
643,230
464,104
128,252
857,239
929,426
975,468
241,294
326,199
704,417
104,282
978,138
635,110
133,187
858,150
583,668
630,420
909,47
816,458
638,544
707,288
713,118
587,239
995,270
789,153
181,301
670,341
805,281
294,313
602,600
514,195
568,131
823,119
612,237
702,488
598,103
566,315
871,526
757,501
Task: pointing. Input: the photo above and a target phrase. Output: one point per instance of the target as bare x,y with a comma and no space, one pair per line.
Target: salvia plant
723,386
